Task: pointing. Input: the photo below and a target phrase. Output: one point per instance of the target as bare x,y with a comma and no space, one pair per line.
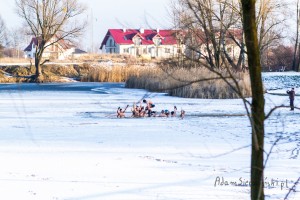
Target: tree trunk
294,67
257,111
297,65
38,71
38,78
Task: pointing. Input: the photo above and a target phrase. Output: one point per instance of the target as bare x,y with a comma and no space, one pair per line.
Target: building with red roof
55,50
142,42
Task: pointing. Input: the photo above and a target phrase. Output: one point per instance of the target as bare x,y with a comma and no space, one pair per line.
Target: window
145,51
157,41
137,41
167,50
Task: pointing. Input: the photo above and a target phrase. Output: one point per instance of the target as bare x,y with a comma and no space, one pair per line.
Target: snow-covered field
63,142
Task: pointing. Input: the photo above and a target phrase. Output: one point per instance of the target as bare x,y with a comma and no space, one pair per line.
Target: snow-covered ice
64,142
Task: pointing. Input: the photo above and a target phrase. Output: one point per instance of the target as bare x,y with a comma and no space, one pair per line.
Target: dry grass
174,80
90,67
84,72
98,58
98,73
178,82
14,60
8,79
85,58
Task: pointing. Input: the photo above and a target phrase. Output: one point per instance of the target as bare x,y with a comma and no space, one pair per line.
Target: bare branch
292,189
277,107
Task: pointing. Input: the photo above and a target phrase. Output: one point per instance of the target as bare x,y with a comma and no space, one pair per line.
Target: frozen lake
63,141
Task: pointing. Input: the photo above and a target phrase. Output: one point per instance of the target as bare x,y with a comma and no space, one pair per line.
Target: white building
58,50
143,42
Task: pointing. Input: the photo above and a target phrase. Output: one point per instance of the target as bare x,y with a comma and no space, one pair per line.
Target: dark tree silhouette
258,102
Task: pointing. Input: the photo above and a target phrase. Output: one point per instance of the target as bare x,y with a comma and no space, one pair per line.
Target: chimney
142,30
124,30
157,30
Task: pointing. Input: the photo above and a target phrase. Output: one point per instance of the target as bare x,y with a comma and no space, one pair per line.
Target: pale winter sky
108,14
116,14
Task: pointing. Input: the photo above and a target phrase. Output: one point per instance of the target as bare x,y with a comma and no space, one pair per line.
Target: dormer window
137,41
157,41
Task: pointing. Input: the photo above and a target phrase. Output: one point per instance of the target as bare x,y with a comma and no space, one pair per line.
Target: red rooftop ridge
125,36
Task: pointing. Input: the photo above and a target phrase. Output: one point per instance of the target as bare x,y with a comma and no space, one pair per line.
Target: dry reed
187,83
176,81
100,73
94,72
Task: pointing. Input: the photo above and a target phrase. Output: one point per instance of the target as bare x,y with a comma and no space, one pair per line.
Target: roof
125,36
79,51
29,47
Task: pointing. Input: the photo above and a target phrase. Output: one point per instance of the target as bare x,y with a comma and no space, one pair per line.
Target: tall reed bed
189,82
116,73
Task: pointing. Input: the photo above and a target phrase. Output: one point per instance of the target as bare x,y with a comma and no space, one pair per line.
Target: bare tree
220,24
209,26
49,18
2,34
269,21
297,38
16,40
270,18
213,33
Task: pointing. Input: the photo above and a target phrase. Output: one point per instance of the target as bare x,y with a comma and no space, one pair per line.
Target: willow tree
48,19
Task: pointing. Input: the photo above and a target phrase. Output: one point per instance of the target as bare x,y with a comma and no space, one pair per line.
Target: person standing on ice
292,97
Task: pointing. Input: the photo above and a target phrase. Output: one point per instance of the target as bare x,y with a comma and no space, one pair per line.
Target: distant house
78,53
59,50
142,42
199,45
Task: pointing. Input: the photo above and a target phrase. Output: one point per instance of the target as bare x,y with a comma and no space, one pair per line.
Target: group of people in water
147,111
